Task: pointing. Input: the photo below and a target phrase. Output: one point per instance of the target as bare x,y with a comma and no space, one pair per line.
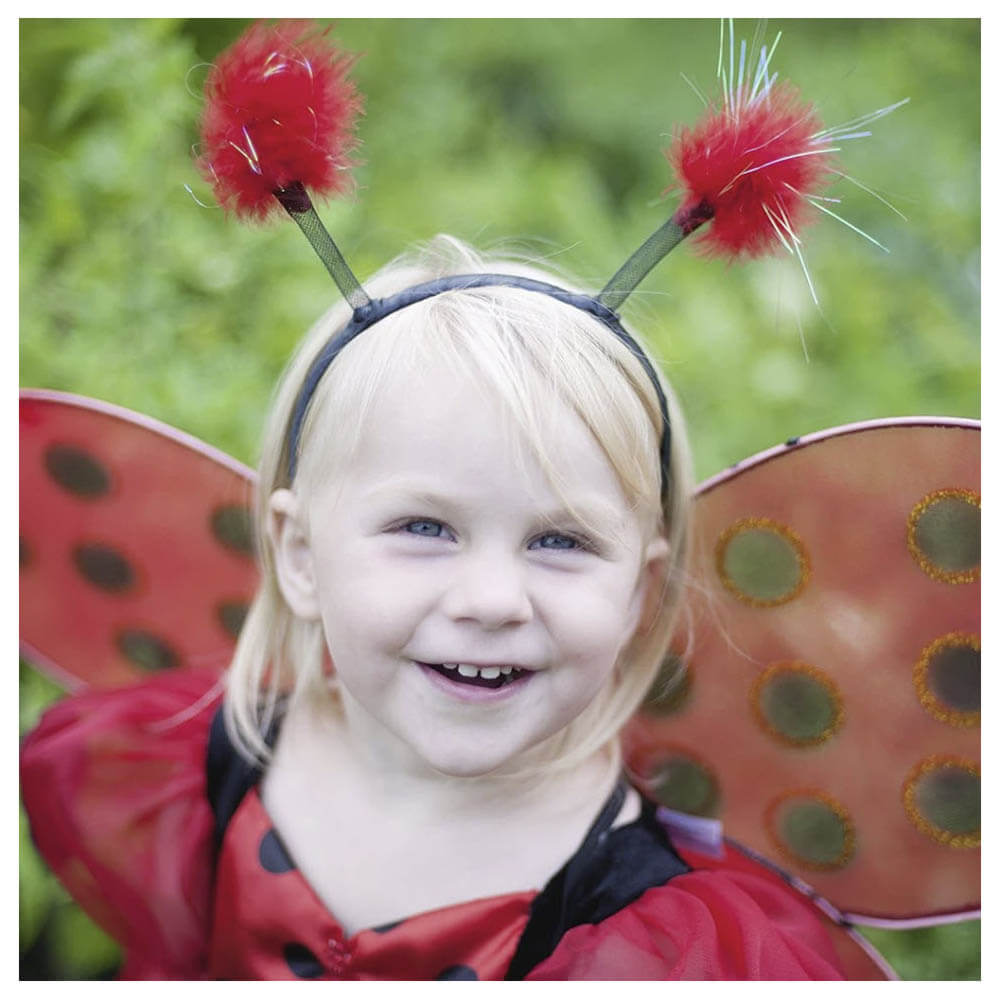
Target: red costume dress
181,863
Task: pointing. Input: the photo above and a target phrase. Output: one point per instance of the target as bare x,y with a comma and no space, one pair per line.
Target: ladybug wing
135,544
824,699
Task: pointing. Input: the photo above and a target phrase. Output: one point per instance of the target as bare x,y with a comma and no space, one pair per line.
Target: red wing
135,544
829,709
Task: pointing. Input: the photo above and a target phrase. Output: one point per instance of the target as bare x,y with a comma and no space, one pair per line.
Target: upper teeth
488,673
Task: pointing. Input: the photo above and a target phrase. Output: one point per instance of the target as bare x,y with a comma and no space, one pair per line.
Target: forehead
442,428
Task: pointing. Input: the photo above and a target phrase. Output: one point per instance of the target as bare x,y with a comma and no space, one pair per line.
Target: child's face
444,552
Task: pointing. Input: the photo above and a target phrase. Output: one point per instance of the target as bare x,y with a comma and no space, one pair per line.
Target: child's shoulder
114,785
154,727
700,917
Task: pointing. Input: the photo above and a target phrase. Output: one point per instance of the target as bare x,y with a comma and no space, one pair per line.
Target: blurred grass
548,131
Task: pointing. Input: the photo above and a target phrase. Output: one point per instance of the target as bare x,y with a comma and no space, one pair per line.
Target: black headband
373,310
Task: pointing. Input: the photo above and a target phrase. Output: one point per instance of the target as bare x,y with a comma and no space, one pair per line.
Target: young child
472,555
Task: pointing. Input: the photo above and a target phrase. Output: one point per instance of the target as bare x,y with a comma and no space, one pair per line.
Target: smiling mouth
487,677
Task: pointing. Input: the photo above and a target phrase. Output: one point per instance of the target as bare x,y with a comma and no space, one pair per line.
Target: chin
477,763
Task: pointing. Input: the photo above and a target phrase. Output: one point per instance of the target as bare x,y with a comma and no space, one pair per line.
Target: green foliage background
541,131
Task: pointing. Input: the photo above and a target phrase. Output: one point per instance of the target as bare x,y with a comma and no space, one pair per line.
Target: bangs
531,353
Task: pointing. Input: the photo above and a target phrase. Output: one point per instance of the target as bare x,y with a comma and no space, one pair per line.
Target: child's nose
489,589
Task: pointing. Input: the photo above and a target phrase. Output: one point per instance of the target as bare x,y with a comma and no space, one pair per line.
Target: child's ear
649,588
292,555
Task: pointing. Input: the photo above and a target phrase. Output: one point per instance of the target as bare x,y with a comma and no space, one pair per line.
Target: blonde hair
535,354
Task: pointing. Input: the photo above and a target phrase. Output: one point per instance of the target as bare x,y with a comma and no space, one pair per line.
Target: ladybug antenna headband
279,122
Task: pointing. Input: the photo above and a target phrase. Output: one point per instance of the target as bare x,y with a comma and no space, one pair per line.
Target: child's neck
345,815
327,741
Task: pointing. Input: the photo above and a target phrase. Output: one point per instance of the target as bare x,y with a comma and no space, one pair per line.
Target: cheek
578,680
367,609
595,620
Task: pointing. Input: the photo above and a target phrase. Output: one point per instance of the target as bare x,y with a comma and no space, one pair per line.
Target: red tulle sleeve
114,786
704,925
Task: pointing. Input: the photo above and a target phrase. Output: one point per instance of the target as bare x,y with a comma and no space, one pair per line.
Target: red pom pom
753,165
279,110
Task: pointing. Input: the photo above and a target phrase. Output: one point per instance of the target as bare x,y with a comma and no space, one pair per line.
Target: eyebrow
391,492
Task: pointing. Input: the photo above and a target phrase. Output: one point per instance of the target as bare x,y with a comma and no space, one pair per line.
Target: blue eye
429,529
556,541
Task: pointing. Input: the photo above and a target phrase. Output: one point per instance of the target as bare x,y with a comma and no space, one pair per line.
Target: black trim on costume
228,776
612,869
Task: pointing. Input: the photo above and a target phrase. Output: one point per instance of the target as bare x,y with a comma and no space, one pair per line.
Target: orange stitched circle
960,718
794,550
823,685
966,574
820,801
939,763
